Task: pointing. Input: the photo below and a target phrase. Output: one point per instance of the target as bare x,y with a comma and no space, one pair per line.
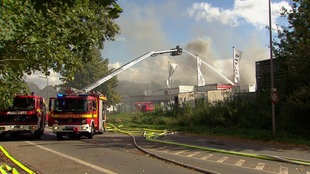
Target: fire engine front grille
19,119
70,121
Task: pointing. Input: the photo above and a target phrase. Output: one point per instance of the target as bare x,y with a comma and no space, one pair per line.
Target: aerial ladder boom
173,52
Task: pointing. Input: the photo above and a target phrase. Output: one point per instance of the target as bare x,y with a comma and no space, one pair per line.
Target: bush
238,117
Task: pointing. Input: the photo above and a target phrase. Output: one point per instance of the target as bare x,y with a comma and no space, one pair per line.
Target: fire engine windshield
70,105
23,104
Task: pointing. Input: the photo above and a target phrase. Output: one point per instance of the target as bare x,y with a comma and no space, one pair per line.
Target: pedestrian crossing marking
206,157
284,170
240,162
179,152
163,147
260,166
224,158
193,154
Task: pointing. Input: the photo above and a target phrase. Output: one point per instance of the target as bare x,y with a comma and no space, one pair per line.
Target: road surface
113,152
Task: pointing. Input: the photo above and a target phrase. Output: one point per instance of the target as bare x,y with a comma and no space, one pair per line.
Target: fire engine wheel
2,136
38,134
59,136
91,133
77,137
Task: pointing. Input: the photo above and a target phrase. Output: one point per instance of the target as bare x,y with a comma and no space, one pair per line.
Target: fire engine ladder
173,52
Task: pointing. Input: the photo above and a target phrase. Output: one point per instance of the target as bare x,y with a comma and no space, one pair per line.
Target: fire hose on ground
152,135
4,169
130,133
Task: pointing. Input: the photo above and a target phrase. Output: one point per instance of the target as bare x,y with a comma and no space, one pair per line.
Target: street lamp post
47,93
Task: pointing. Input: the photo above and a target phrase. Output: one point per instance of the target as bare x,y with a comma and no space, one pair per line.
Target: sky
206,28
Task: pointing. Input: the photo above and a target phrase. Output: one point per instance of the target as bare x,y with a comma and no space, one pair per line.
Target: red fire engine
27,115
77,114
83,113
144,106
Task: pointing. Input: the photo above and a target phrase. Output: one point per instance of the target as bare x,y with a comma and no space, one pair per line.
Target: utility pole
273,89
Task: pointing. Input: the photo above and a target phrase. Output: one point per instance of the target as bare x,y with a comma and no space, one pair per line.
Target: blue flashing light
60,95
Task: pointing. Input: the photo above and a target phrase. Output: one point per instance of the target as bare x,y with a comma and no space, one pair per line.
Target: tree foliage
293,51
92,71
50,35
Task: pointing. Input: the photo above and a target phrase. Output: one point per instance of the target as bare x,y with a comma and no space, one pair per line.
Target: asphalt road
227,162
107,153
115,153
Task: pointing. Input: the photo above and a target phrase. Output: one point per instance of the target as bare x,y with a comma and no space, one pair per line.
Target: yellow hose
16,162
152,135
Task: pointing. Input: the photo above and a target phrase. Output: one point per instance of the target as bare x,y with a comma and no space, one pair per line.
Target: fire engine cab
27,115
75,114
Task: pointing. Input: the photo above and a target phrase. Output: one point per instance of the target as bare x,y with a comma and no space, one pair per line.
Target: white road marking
179,152
164,151
100,169
260,166
240,162
193,154
224,158
206,157
163,147
284,170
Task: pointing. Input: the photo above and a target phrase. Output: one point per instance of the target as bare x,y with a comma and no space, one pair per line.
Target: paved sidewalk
242,145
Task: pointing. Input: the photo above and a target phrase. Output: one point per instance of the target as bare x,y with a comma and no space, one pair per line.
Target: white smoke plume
155,69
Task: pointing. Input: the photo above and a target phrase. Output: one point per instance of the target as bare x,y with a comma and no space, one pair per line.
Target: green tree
92,71
50,35
293,51
10,83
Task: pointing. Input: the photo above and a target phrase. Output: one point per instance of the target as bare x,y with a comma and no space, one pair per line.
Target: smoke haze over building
209,29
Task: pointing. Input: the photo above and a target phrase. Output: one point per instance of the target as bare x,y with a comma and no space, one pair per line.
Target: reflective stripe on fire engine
74,116
103,98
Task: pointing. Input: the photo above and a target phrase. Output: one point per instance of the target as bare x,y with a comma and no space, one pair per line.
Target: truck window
94,105
71,105
24,104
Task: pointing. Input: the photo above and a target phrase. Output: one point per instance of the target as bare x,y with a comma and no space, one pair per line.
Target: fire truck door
51,104
100,114
51,108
